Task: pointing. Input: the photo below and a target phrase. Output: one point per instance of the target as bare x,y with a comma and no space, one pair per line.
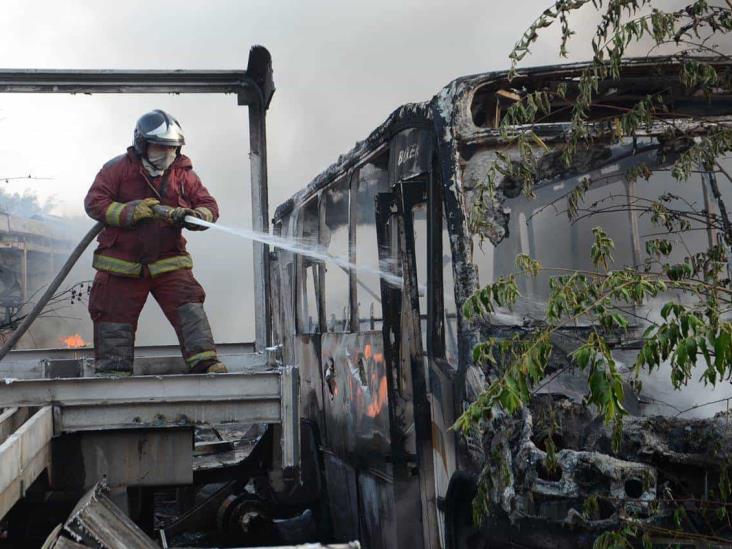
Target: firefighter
141,249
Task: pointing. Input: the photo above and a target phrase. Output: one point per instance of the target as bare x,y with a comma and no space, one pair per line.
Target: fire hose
160,211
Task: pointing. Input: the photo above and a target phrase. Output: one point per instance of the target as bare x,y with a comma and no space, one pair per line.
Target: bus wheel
460,533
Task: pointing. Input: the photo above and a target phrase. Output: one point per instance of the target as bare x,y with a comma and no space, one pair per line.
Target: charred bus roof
470,108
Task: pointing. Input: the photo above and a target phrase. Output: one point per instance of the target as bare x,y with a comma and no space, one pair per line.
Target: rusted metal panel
150,457
442,414
24,455
342,498
356,397
97,522
307,350
378,513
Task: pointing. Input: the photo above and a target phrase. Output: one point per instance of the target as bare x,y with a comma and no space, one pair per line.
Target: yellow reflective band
206,213
114,213
170,264
116,266
195,359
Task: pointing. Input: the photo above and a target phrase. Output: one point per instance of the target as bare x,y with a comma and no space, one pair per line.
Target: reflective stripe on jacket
122,267
125,248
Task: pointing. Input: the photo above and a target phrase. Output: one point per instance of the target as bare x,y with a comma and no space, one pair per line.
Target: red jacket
124,249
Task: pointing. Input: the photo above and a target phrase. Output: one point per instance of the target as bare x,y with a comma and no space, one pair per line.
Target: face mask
162,160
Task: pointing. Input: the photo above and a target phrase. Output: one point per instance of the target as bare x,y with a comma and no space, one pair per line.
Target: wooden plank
9,473
24,456
10,420
35,433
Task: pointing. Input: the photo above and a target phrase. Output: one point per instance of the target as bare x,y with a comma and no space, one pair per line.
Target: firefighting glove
143,209
178,216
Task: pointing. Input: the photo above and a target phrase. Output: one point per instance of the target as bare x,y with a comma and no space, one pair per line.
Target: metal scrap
97,522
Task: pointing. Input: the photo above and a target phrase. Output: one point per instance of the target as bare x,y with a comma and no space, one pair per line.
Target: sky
340,67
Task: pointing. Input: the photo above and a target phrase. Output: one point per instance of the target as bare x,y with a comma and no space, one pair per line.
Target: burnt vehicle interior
386,368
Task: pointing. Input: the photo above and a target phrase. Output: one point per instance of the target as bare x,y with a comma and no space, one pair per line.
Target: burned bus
385,368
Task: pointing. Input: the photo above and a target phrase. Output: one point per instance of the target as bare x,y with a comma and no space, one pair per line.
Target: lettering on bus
409,153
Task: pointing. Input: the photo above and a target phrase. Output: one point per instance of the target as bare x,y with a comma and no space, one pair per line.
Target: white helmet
157,127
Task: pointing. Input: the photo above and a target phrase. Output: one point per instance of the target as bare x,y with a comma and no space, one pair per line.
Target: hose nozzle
163,212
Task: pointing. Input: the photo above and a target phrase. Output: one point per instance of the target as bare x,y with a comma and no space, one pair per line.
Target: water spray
297,246
300,247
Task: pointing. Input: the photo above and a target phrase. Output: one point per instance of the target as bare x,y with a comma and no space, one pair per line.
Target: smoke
25,203
340,68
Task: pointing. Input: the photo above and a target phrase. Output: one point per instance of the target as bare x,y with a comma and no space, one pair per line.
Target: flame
378,403
73,341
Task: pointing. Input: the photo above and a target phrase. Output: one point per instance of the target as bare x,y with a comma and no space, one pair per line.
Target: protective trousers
115,304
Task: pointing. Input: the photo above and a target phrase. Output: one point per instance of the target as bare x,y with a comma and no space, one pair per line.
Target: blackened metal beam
97,404
155,359
260,68
124,81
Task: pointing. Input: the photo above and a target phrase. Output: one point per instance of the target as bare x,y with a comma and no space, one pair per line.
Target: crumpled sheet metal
56,540
531,491
97,522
